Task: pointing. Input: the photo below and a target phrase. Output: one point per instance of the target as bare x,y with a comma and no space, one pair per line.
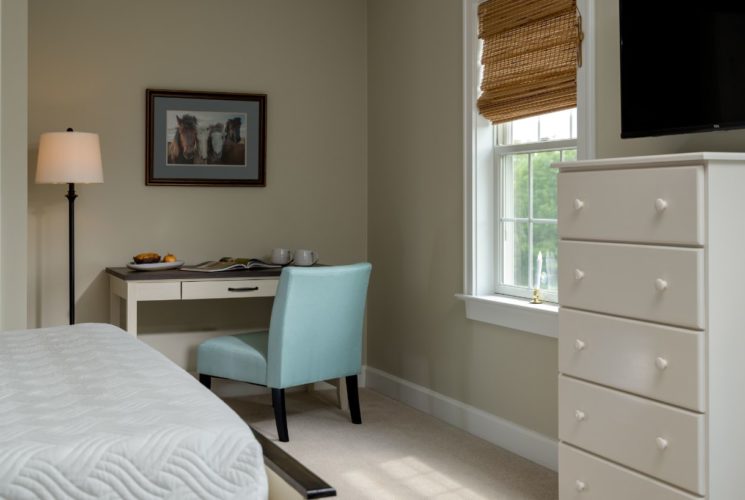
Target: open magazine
230,264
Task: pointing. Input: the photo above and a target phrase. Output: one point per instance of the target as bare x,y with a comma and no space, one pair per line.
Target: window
525,190
510,193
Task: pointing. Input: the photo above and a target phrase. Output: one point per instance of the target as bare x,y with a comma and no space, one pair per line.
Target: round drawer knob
579,274
660,284
579,415
578,204
661,443
580,485
660,204
661,363
579,344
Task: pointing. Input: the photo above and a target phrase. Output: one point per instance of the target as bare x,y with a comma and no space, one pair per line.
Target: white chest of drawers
652,328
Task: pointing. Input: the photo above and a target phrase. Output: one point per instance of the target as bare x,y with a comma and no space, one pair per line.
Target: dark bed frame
293,472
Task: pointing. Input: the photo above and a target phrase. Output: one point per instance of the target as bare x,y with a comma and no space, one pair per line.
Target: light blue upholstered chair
315,334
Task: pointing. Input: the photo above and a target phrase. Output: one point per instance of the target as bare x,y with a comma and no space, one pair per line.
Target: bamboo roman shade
530,57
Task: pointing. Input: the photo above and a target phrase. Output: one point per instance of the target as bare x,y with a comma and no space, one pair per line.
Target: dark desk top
127,274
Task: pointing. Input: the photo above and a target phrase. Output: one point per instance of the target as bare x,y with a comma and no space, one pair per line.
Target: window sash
500,152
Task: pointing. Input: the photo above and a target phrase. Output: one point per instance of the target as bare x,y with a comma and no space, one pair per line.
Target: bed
89,412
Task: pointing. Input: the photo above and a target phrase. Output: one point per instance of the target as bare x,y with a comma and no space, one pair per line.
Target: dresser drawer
660,284
585,477
648,205
225,289
662,441
656,361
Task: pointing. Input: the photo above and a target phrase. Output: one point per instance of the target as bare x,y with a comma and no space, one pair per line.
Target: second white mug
281,256
305,257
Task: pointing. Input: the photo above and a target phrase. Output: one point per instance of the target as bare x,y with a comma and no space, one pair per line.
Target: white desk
139,286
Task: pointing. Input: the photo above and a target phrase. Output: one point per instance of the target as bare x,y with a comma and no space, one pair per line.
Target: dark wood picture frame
234,121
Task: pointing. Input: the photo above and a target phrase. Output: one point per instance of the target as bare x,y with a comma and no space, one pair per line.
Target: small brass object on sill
536,296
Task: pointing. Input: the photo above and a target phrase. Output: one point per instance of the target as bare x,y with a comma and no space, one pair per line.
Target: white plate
156,266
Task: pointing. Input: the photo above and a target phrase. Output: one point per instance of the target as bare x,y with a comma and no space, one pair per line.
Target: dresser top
652,160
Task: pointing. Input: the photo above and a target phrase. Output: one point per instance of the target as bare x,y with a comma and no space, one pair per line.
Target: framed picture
205,138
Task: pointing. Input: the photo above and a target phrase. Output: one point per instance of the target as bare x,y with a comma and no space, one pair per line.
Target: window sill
515,313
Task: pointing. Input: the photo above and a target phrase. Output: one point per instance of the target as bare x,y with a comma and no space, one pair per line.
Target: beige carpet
397,452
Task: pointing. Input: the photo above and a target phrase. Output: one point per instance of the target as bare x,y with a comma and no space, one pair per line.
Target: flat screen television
682,66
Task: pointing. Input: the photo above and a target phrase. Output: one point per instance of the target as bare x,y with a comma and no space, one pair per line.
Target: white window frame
481,175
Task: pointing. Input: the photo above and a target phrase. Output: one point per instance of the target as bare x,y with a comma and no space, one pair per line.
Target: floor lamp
69,158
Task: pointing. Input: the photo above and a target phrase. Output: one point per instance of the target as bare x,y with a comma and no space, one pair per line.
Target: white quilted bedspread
89,412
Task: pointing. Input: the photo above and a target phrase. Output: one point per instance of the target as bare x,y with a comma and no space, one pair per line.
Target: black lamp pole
71,195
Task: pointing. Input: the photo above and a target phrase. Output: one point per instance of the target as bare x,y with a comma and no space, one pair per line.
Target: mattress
90,412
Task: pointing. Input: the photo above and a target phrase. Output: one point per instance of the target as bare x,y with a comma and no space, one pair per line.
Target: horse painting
205,138
184,148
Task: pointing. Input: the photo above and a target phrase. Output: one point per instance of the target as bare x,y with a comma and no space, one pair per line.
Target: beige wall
416,328
13,159
90,62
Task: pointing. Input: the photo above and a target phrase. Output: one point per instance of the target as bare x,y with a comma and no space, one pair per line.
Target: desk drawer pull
243,289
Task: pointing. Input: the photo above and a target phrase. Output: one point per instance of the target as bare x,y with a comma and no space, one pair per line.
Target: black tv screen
682,66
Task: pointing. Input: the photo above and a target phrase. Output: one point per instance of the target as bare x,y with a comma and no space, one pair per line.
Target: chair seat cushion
236,357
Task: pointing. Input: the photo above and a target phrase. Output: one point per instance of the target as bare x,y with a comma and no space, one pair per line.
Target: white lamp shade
66,157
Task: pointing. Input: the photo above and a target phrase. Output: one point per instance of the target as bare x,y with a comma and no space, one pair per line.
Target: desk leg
342,402
341,394
132,316
120,289
115,303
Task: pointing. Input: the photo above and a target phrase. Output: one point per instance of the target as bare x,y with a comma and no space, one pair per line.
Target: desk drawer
144,291
645,205
585,477
660,284
656,361
665,442
226,289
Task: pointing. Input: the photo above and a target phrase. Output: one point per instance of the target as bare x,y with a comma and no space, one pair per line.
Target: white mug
281,256
305,257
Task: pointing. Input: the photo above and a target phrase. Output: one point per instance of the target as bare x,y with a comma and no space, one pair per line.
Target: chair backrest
316,327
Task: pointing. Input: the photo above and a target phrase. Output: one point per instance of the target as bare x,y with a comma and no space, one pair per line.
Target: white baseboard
503,433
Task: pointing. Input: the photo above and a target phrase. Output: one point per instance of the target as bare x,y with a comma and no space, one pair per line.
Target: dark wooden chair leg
206,380
280,415
354,399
